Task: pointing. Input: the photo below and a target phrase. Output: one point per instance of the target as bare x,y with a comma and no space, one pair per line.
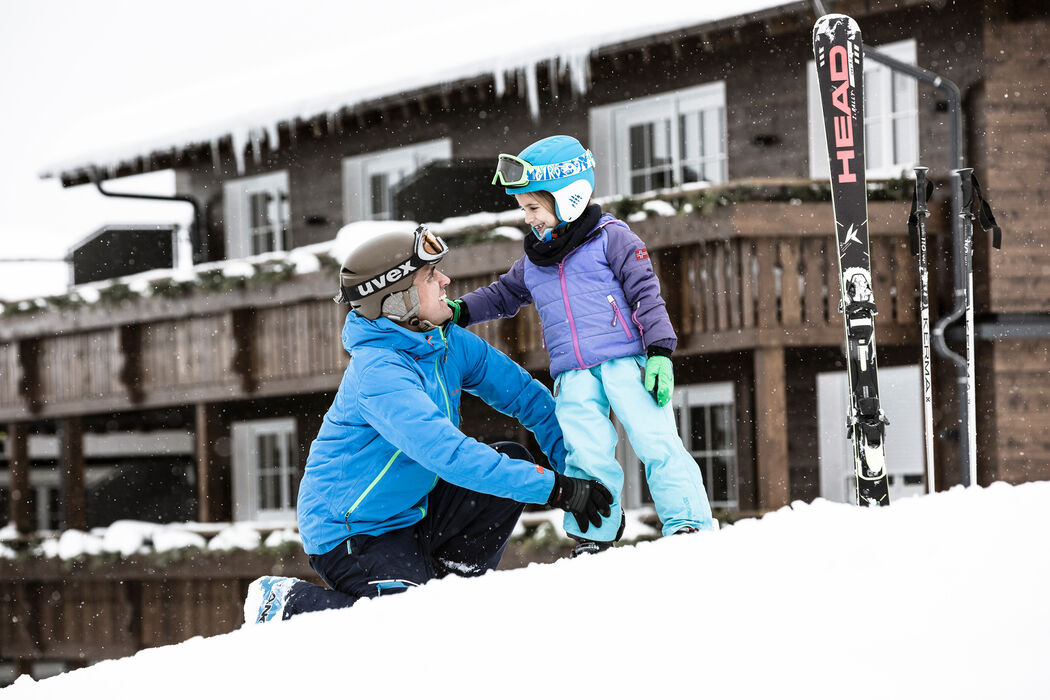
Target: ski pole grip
918,207
966,189
920,183
986,217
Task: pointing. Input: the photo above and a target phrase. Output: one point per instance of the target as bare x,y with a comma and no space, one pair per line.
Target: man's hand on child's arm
659,375
587,501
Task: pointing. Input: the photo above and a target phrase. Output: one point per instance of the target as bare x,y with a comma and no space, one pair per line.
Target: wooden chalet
233,380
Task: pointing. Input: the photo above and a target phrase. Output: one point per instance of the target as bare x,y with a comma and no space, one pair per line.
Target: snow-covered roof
478,40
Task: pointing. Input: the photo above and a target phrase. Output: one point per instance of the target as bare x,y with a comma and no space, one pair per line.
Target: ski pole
917,236
971,188
965,175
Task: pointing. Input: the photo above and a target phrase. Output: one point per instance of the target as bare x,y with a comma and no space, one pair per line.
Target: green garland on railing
217,282
170,288
270,273
116,294
702,202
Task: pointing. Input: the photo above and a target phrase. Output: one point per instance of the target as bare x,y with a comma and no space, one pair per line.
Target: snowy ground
943,596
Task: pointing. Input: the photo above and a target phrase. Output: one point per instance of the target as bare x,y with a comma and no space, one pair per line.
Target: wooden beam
771,428
213,484
244,361
131,369
71,466
29,384
21,513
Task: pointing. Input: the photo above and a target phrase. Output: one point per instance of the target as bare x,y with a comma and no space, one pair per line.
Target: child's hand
460,314
659,377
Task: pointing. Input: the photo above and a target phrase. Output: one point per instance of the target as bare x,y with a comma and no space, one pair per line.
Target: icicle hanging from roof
255,135
579,67
216,157
532,91
500,80
239,137
273,135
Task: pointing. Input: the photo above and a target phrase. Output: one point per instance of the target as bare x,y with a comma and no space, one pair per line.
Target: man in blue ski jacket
393,493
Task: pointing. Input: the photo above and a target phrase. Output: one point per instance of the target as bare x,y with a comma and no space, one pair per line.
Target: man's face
430,284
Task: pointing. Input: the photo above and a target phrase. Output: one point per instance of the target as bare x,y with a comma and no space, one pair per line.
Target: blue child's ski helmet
557,164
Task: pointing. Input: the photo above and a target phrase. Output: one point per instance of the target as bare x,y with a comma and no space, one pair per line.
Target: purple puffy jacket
601,302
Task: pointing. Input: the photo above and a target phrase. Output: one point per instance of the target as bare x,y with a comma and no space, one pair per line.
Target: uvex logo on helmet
379,281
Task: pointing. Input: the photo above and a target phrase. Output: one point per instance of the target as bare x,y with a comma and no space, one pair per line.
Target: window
661,141
257,216
369,180
265,467
706,416
900,390
44,499
891,117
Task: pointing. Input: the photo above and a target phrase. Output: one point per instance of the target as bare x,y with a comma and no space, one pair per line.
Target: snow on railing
274,267
125,538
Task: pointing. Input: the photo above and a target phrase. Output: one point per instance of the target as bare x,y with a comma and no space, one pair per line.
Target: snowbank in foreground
940,596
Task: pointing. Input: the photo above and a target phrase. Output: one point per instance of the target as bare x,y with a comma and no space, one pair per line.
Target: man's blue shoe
266,599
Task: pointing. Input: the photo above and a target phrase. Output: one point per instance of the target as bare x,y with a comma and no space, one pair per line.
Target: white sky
941,596
65,65
63,61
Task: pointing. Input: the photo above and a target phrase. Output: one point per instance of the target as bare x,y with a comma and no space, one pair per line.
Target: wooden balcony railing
753,275
85,610
749,275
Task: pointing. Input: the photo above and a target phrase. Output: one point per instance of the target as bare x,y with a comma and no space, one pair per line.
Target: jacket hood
382,332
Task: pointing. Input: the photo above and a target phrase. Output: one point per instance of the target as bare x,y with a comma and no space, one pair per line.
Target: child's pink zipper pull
612,303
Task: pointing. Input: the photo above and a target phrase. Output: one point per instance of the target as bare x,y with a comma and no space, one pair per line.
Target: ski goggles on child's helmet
512,171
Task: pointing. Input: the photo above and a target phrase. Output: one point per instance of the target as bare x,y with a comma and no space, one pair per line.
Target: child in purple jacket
606,329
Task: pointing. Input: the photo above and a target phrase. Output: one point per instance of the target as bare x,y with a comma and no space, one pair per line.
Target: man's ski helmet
376,274
557,164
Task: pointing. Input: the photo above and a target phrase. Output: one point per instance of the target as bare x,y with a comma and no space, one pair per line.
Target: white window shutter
600,143
243,504
234,220
353,190
819,168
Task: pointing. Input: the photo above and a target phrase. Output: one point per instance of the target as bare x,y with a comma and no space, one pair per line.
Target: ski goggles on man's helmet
512,171
427,249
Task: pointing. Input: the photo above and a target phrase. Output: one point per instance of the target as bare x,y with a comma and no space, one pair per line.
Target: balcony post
771,440
213,487
71,465
21,515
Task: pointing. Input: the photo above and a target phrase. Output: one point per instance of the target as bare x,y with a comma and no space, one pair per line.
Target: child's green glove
460,313
659,375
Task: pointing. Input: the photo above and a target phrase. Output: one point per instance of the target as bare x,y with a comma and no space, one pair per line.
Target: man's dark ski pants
463,533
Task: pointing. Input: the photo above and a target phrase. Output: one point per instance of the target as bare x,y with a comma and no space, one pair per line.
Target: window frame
611,126
879,82
685,397
900,394
247,469
358,169
237,209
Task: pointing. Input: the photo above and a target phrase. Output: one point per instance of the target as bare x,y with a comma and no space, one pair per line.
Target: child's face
537,216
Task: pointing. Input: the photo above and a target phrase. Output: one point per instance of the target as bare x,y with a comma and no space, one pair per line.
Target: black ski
837,47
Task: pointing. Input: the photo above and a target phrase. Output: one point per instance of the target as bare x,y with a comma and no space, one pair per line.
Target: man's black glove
587,500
